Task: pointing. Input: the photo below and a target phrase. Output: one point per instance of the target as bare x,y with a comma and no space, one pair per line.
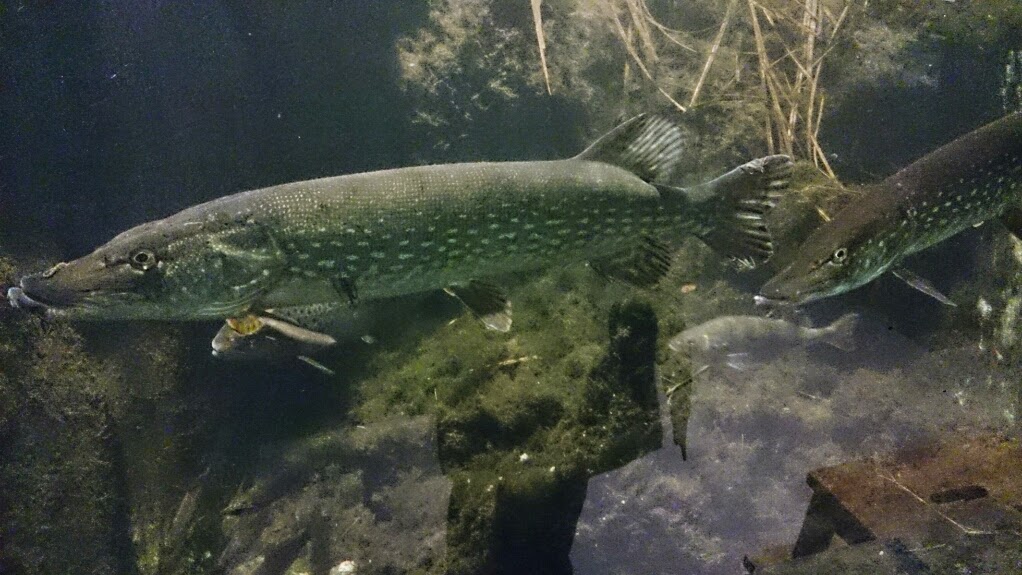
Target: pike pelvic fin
649,146
486,301
745,195
298,333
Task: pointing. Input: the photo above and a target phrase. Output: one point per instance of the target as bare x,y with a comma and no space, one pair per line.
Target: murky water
349,423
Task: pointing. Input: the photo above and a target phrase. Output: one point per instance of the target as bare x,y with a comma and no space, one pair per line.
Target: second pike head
184,267
841,255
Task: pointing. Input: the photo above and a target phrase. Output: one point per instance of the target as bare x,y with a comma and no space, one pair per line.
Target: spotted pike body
413,229
380,234
962,184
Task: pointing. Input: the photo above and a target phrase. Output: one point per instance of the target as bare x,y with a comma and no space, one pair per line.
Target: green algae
64,507
524,420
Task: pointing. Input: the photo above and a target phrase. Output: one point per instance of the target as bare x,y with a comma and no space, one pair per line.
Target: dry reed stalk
816,143
642,28
810,24
791,83
773,86
626,39
764,64
713,52
537,19
667,32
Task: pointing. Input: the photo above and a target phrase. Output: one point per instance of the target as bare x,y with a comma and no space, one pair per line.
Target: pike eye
840,256
143,260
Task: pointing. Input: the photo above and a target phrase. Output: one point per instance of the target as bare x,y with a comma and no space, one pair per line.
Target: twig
638,61
964,529
639,21
668,32
816,140
764,60
713,52
537,19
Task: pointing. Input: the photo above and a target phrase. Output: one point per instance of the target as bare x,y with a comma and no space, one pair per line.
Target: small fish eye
840,255
143,260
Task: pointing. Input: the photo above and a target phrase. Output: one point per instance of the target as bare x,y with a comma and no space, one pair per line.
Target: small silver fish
263,336
739,337
301,331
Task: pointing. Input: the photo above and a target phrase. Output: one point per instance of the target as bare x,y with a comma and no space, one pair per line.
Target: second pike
962,184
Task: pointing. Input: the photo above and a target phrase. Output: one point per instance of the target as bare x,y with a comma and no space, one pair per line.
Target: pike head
179,268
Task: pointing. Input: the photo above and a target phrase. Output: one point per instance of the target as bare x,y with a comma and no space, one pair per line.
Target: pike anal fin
643,267
486,301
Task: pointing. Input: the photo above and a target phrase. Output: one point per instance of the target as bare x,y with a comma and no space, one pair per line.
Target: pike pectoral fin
744,196
1012,219
643,267
739,361
922,284
486,301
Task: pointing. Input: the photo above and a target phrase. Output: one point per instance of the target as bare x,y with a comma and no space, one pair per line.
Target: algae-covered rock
522,422
95,438
63,501
521,481
371,495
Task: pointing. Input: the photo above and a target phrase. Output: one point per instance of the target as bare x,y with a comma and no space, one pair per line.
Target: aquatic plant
752,70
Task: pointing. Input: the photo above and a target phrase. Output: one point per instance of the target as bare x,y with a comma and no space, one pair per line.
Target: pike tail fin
739,201
649,146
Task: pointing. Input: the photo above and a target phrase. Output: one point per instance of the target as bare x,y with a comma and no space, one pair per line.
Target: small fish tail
841,333
742,198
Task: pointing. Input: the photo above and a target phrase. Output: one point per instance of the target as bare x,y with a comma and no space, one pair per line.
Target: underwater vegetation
64,504
445,447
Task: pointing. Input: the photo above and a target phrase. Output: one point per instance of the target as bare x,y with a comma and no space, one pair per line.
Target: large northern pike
392,232
964,183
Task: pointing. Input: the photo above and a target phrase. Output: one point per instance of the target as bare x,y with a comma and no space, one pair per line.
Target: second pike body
964,183
392,232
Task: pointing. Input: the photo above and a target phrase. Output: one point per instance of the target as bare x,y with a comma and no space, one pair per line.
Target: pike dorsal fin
649,146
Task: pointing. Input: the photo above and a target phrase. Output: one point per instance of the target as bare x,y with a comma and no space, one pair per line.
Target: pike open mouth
37,290
19,299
